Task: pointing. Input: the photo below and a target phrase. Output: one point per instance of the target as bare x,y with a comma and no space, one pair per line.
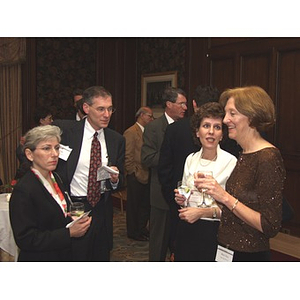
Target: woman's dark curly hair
208,110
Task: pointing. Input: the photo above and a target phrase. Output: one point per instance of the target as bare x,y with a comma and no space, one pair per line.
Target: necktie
93,194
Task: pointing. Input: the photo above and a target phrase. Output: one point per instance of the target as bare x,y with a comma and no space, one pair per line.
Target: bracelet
235,204
214,215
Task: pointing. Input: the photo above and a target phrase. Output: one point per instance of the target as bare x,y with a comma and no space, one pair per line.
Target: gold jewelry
234,205
205,165
214,216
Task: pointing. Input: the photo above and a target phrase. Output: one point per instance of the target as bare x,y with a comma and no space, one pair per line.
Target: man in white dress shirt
97,243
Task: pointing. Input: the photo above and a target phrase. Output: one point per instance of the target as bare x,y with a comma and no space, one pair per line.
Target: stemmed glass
185,191
202,174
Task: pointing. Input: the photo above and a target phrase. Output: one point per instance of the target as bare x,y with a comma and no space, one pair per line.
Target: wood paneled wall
117,71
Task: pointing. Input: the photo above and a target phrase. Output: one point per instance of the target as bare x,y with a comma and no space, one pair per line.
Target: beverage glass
185,191
76,209
202,174
103,187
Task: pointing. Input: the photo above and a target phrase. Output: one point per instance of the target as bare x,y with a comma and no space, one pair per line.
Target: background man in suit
74,169
175,106
137,175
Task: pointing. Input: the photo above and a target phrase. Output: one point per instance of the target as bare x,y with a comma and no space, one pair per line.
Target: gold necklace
209,161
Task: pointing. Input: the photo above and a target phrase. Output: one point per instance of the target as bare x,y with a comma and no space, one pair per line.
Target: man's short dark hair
204,94
95,91
77,92
171,94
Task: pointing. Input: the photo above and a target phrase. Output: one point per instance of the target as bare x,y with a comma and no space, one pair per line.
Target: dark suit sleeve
64,125
120,160
115,143
165,167
151,147
34,226
72,135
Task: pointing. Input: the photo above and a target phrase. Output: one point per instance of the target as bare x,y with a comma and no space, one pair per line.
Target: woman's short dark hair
208,110
254,103
41,112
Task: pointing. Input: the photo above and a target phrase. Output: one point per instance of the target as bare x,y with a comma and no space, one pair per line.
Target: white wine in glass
185,191
76,210
202,174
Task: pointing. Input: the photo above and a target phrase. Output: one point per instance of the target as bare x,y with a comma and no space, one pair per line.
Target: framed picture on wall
153,86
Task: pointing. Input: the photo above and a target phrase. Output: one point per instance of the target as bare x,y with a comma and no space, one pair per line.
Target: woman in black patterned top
252,201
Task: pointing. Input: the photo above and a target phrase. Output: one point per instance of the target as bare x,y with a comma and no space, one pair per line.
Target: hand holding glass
185,191
202,174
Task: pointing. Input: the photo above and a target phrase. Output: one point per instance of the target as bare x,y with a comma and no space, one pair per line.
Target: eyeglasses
102,110
182,104
48,149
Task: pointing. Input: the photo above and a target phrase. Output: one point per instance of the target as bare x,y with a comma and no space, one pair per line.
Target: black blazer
178,143
38,222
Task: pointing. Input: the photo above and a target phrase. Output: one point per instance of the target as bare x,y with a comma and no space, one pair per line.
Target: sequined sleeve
257,181
270,180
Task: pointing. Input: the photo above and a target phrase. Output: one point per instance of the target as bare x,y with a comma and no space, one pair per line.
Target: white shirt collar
169,119
142,127
90,130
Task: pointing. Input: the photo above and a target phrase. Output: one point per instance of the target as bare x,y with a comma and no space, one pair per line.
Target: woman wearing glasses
38,206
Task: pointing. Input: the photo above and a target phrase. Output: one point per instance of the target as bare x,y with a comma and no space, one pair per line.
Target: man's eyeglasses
102,110
182,104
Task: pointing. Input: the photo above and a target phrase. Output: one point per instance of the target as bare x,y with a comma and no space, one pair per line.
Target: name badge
64,152
224,254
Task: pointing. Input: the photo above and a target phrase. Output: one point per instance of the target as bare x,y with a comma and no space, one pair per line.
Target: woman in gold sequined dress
252,201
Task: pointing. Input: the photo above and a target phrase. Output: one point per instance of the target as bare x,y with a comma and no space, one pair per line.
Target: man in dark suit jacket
175,105
178,143
74,170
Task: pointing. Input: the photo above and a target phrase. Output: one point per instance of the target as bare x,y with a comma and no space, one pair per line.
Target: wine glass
76,210
185,191
202,174
103,187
